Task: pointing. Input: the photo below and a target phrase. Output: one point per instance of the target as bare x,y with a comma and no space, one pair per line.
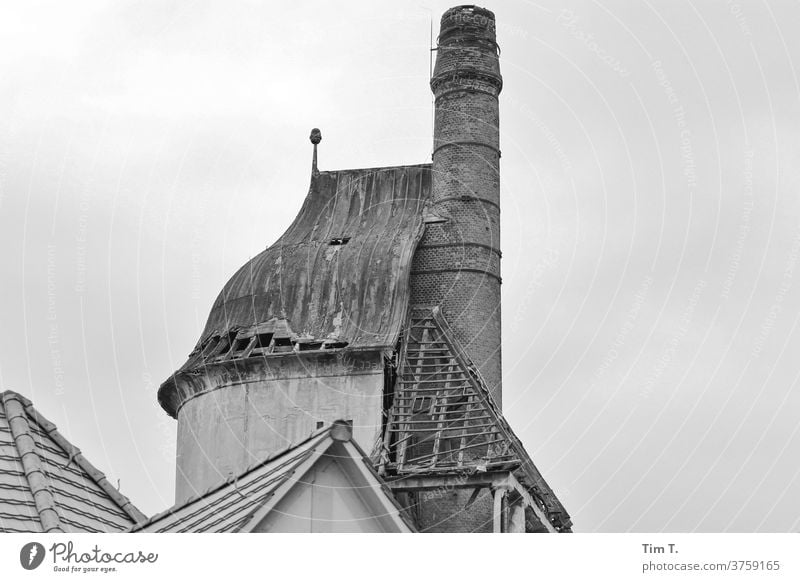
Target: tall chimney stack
457,263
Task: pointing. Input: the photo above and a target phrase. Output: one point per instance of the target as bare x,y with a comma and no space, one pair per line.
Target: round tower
457,263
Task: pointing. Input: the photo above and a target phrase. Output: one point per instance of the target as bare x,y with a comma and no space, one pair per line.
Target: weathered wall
446,511
457,263
239,417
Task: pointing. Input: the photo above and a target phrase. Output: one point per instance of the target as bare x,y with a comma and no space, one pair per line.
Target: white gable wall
331,497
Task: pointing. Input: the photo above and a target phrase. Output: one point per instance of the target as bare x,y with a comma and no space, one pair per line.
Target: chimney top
468,17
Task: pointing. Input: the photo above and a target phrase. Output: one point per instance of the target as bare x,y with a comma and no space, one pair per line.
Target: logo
31,555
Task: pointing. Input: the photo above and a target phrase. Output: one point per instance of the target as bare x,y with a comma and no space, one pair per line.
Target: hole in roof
262,343
222,347
283,344
339,241
421,404
263,339
307,346
239,345
332,345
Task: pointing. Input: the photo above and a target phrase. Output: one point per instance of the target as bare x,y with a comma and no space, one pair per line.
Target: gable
443,421
230,505
327,479
442,417
328,499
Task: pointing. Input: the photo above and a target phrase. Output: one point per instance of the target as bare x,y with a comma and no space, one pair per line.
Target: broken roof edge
74,454
169,393
527,467
171,397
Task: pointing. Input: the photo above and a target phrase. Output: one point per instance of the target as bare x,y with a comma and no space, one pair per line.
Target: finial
316,137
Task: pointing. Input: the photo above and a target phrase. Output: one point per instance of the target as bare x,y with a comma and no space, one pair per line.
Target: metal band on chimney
467,143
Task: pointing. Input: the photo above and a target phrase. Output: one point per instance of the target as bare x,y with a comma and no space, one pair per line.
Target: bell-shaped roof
337,277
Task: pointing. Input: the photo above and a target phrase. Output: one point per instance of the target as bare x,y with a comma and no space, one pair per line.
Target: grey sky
651,223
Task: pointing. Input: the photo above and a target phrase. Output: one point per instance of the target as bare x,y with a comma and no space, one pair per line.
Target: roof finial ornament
316,137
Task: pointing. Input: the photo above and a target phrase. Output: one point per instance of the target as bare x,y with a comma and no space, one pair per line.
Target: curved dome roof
338,276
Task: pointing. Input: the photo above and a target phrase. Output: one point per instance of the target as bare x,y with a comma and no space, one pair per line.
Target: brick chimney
457,263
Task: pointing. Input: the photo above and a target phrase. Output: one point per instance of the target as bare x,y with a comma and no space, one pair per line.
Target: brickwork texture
457,263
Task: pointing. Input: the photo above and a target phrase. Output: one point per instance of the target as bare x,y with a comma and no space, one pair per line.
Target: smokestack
457,263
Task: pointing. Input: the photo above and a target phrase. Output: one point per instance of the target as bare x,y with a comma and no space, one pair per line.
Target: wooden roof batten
444,428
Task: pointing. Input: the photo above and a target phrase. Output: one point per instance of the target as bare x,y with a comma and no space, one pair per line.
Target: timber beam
454,481
501,482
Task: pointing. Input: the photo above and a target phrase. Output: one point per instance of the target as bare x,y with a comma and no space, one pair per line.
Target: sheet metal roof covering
339,273
46,484
233,505
354,291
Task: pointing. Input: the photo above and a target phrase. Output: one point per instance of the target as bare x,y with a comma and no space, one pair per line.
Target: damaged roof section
337,277
443,420
340,272
271,337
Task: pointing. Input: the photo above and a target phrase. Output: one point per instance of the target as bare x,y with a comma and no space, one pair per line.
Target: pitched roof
46,484
241,502
338,276
444,420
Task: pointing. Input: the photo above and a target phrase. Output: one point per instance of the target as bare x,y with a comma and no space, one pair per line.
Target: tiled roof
46,484
232,505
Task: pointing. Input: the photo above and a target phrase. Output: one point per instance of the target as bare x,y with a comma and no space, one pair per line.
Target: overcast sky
651,223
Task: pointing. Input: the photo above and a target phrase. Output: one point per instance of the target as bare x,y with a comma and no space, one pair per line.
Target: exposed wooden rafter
444,428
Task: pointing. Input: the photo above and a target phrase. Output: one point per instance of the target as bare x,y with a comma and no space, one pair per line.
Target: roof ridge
77,457
238,508
31,462
404,512
231,479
